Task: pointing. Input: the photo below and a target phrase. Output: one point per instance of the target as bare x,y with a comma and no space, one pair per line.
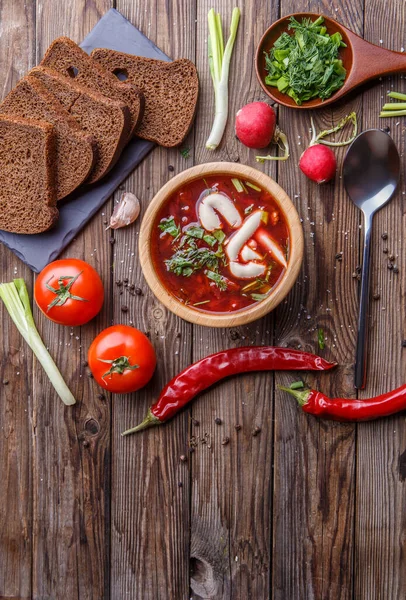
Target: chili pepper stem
301,396
149,421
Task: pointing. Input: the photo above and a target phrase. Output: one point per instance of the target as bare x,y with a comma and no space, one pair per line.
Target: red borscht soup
220,244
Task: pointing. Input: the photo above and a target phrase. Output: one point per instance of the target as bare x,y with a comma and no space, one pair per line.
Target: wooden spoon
363,61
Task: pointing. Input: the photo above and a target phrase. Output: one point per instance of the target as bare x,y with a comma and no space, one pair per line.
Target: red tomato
122,359
69,292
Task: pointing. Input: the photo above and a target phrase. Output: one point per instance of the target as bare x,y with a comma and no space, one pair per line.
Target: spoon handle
362,339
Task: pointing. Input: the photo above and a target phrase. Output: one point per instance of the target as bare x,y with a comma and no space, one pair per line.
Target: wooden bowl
250,313
363,61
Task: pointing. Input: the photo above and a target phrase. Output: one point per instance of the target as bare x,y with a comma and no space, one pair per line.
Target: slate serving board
115,32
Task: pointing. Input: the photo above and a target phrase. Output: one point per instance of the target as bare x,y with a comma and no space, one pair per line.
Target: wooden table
306,510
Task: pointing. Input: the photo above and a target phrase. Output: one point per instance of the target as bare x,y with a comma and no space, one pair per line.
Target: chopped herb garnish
249,209
210,239
219,235
218,279
259,297
202,302
169,226
185,152
321,339
305,65
253,186
190,259
196,232
238,185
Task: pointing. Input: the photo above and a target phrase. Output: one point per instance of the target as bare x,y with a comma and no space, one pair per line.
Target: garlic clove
125,212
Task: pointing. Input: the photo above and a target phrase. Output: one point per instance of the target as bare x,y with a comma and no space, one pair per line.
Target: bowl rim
254,311
315,103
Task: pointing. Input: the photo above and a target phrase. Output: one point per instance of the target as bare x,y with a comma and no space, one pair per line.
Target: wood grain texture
314,461
304,510
380,559
232,484
16,363
71,446
150,484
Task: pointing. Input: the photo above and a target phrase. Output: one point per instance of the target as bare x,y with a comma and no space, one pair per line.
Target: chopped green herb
259,297
249,209
253,186
219,235
210,239
202,302
238,185
185,152
321,339
190,259
169,226
196,232
305,65
218,279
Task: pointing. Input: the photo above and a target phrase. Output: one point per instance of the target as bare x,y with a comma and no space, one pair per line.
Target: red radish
318,163
255,125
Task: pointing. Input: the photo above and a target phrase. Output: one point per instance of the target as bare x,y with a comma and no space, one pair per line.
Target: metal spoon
371,174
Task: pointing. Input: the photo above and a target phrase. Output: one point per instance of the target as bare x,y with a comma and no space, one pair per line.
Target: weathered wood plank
232,484
72,445
314,461
17,54
380,559
150,485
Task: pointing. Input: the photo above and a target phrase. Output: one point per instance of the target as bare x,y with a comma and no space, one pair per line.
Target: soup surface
220,244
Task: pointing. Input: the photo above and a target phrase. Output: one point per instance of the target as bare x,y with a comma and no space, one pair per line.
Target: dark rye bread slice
74,147
170,89
107,120
70,60
27,163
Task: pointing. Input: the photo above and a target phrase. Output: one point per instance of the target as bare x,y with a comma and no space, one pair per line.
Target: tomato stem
119,365
63,291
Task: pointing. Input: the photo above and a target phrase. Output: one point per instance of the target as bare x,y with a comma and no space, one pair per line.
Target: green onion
200,303
253,186
210,240
259,297
219,61
238,185
397,95
16,299
392,113
394,106
196,232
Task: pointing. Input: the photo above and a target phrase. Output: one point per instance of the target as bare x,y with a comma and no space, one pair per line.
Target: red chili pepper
204,373
343,409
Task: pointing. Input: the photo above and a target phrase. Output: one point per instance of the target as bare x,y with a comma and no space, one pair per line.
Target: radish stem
219,63
282,141
318,139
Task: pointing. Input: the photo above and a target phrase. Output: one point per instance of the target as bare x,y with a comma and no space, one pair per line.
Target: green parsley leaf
218,279
185,152
169,226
